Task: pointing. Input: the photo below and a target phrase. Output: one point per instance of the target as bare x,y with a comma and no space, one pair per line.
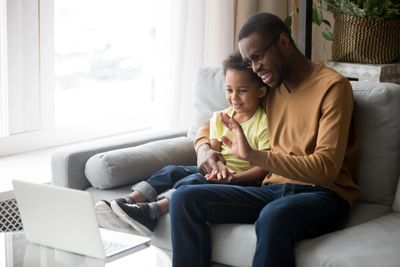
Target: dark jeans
174,176
282,213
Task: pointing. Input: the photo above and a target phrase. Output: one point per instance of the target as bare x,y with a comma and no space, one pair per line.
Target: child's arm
254,174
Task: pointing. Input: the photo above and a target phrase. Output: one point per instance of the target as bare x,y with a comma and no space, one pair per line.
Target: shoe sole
135,224
107,218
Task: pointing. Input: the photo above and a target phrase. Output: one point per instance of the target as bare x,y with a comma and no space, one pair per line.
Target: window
102,55
73,70
3,70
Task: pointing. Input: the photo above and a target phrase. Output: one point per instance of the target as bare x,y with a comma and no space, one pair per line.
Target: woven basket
364,40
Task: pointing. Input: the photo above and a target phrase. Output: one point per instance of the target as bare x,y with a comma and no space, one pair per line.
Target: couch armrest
68,166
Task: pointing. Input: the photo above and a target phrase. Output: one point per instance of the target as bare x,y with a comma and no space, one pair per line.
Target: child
244,91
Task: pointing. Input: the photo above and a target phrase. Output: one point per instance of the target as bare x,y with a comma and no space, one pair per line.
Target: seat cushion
371,244
234,244
377,119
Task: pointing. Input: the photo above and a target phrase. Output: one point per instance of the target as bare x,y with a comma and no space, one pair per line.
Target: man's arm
207,158
202,136
215,145
255,174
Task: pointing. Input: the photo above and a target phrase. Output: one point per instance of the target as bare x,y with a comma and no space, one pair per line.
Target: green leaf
316,15
288,22
326,22
385,9
327,34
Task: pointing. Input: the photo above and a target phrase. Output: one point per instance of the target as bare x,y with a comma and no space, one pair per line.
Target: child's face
242,92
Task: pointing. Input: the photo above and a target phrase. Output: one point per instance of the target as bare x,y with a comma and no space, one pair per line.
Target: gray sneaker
136,215
107,218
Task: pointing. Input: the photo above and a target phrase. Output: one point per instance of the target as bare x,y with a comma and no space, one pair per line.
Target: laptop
64,218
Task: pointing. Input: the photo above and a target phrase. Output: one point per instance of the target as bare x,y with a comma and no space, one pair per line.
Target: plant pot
365,40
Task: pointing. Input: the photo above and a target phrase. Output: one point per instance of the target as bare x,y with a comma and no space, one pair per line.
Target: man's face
265,57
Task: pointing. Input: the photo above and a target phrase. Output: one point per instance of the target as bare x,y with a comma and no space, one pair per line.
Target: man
311,160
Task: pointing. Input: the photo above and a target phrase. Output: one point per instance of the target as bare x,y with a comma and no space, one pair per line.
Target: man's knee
183,201
183,195
274,217
179,195
188,194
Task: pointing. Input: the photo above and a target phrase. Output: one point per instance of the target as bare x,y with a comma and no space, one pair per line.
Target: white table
16,251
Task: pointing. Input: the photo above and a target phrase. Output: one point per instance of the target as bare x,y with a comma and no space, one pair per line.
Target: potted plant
365,31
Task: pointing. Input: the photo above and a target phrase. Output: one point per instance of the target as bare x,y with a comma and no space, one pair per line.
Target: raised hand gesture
239,146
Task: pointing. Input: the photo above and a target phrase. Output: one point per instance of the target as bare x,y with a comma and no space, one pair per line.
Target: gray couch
372,235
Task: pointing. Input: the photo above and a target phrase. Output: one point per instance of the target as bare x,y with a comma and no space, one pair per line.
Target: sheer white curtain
203,34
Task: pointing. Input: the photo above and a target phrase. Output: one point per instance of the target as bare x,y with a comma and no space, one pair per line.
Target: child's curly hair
235,62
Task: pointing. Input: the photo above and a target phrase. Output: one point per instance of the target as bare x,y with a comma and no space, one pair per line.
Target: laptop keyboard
116,242
112,247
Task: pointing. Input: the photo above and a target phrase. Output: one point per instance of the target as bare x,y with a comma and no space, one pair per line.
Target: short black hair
265,24
235,62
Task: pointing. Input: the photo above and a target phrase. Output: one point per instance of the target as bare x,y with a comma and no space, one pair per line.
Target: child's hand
219,177
220,172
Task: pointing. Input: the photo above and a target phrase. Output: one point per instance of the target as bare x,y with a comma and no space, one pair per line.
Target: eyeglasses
258,56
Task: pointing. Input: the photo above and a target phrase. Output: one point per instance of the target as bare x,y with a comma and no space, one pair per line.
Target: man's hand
239,146
207,161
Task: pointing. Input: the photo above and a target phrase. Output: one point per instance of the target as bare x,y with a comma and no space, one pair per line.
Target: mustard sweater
311,133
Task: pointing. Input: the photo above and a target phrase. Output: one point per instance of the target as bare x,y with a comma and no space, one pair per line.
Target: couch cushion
363,212
209,96
129,165
371,244
396,202
377,118
232,244
162,233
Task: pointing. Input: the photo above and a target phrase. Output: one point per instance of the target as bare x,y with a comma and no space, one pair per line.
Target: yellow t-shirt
255,130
